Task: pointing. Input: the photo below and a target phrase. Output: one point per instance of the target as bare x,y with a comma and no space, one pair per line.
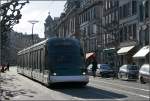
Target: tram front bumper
57,79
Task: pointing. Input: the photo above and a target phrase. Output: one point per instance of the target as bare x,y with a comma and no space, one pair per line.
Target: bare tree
9,16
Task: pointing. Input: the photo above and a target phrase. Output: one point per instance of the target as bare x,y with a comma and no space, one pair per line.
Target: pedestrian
3,68
94,67
113,68
8,66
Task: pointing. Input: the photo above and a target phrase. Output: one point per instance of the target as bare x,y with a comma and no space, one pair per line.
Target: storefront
125,54
142,56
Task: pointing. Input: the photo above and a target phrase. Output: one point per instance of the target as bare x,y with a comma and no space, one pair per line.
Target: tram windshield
65,55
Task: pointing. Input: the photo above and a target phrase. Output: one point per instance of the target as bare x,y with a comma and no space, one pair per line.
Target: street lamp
33,22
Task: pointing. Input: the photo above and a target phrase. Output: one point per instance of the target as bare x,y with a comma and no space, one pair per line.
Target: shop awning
89,54
142,52
124,50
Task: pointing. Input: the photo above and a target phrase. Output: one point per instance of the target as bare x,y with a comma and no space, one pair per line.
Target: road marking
131,93
123,86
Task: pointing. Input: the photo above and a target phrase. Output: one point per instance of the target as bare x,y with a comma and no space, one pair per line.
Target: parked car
89,69
128,72
103,70
144,73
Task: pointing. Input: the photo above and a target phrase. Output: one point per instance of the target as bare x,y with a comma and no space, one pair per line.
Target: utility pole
33,22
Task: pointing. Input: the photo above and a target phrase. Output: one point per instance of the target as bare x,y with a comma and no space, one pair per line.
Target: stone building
0,48
111,30
68,25
49,27
17,41
128,22
90,17
143,29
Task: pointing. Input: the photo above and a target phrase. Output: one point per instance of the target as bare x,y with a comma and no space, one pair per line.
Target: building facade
143,29
68,25
111,31
49,27
16,42
90,15
128,22
0,48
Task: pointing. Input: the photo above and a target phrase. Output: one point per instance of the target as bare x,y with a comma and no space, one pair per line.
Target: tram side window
36,60
30,60
26,60
33,63
46,59
42,59
23,60
39,60
18,61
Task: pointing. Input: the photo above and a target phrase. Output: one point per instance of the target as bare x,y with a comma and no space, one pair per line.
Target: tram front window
66,60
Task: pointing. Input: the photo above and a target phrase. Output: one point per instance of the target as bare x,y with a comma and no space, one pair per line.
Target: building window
134,31
124,11
113,16
94,29
141,13
130,32
116,16
125,33
109,5
109,18
134,7
106,7
94,12
121,12
128,9
146,36
146,9
106,19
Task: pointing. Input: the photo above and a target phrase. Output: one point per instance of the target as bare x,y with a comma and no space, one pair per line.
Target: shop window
134,31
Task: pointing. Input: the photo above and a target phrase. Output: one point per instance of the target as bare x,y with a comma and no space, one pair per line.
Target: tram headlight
54,74
83,73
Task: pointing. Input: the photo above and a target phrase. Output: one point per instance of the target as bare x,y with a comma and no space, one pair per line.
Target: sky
38,10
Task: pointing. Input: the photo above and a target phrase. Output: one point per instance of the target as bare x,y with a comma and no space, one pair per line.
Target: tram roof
35,45
45,41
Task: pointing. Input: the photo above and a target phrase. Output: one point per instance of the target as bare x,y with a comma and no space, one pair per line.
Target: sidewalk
6,85
10,85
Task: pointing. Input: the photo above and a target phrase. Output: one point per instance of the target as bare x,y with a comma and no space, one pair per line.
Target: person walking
8,66
3,68
94,67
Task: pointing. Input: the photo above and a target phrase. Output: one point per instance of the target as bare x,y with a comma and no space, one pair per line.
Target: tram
54,60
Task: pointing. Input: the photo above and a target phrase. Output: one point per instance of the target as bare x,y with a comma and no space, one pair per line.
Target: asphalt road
14,86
